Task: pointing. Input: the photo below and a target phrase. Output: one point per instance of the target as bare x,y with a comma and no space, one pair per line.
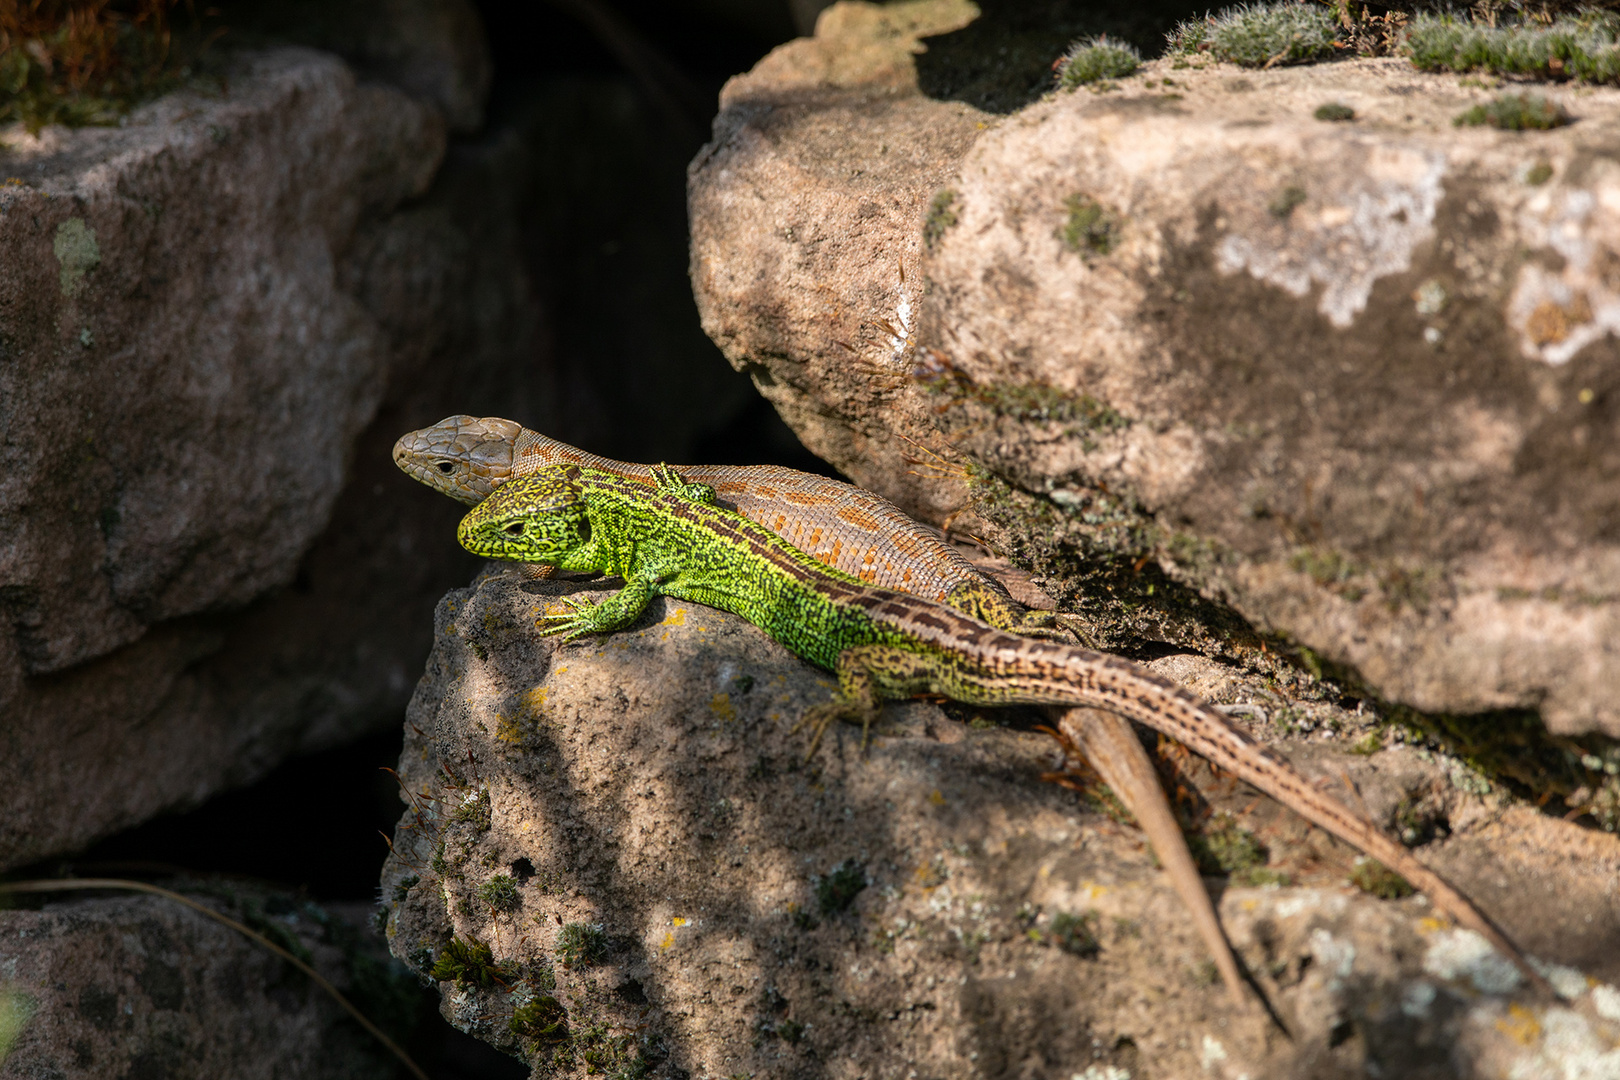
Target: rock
624,834
187,373
1355,382
141,986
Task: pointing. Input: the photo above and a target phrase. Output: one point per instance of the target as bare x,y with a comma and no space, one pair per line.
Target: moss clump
1372,876
469,963
1092,60
1516,112
501,893
940,217
1260,35
1334,112
1090,228
1075,934
837,890
581,944
85,62
1583,47
474,809
544,1019
1225,847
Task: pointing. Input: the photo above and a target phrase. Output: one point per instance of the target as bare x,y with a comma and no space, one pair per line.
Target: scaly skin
675,541
854,530
859,533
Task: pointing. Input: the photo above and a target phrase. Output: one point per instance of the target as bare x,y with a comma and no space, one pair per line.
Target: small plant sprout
1586,46
837,890
1260,35
1092,60
501,893
1075,934
1516,112
581,944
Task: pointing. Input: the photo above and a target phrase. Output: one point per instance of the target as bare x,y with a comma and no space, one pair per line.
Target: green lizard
675,540
864,535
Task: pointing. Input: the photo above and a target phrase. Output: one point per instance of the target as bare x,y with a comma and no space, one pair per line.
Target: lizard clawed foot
572,624
821,717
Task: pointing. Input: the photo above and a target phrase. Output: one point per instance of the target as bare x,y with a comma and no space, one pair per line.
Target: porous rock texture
1356,381
666,888
140,986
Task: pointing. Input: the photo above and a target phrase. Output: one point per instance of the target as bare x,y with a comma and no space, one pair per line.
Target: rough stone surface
1357,381
187,370
629,827
139,986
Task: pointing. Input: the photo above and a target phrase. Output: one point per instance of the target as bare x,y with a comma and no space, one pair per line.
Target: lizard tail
1162,705
1111,746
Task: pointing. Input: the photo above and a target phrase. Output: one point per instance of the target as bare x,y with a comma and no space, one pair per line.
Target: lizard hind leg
989,604
857,701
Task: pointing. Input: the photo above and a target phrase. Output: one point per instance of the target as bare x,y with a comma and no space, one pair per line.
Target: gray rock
1354,381
140,986
627,825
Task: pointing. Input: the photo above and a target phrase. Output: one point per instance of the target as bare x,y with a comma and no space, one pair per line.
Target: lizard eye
514,529
446,467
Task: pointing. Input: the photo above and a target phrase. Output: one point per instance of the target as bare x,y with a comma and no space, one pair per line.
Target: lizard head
465,457
535,518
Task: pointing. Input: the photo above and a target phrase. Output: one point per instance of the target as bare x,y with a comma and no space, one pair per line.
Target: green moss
474,809
543,1019
1283,203
1538,174
1372,876
940,217
1091,60
469,963
1225,847
501,893
581,944
1075,934
837,890
1256,877
1368,744
1334,112
1516,112
16,1009
1090,228
404,885
1580,47
1260,35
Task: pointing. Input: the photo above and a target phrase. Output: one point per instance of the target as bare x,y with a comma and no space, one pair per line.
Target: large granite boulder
615,857
1352,380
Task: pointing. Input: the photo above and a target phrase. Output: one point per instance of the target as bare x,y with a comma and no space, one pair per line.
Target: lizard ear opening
584,530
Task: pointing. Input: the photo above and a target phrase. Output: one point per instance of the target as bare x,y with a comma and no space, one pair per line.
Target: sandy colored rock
139,986
628,826
1354,380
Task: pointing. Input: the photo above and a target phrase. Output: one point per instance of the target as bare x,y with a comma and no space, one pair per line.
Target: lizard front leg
616,612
